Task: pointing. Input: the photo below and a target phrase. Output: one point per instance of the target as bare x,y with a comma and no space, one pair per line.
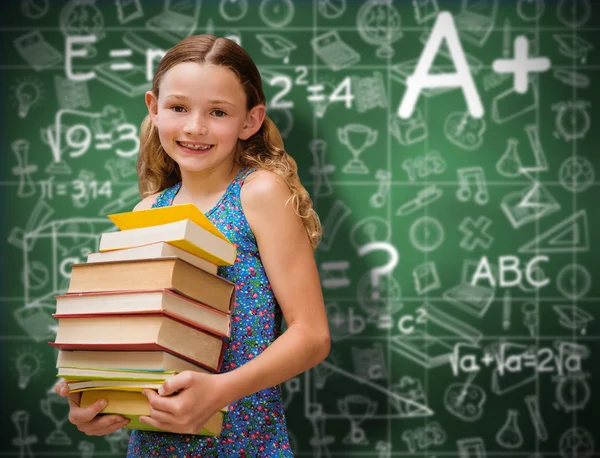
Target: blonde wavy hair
264,150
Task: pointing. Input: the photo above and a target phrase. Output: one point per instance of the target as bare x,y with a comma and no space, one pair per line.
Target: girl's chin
190,168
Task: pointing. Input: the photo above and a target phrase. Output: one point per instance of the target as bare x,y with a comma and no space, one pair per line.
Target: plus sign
487,359
521,65
338,319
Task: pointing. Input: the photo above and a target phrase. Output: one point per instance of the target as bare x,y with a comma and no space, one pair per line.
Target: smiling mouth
189,147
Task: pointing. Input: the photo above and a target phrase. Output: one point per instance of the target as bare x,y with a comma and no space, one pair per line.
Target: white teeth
187,145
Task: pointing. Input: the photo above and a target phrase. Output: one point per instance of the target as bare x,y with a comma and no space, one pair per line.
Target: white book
184,234
125,360
153,250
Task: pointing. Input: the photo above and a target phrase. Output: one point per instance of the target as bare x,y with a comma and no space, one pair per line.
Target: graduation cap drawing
573,46
276,46
573,317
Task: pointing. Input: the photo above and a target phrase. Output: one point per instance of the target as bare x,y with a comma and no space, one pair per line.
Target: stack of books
145,307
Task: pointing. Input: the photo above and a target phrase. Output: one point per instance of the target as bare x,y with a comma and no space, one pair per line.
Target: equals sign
61,189
105,145
316,95
120,66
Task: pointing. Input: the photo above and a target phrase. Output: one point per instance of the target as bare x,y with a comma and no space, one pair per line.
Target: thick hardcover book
150,251
151,274
138,333
163,301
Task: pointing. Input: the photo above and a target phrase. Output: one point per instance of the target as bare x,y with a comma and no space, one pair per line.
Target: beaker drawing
509,165
510,435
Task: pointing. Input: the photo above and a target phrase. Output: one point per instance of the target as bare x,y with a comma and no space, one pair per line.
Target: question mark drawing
386,269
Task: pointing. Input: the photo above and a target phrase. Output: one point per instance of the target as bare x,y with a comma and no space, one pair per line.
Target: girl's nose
196,125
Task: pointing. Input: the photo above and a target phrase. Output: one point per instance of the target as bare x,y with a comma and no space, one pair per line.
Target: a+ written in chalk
521,65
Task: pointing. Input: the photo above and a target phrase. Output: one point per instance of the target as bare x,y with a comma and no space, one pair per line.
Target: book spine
147,346
148,313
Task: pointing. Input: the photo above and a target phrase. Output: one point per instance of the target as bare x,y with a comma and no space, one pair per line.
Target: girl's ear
254,120
152,105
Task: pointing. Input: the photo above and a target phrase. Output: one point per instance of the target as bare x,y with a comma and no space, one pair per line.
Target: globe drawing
576,443
378,24
82,17
576,174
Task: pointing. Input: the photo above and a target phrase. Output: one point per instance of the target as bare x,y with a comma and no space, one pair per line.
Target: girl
207,141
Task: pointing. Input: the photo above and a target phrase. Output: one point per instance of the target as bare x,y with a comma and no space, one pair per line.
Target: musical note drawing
464,192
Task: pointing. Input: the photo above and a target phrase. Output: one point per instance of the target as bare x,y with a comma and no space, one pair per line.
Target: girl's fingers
104,424
79,415
61,388
161,415
88,419
157,406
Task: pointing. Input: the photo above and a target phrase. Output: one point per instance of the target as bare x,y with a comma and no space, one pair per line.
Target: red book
165,301
140,332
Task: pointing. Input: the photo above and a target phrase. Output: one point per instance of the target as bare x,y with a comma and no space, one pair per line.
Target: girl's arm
289,262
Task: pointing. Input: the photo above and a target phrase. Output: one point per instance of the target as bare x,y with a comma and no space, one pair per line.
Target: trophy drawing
57,409
356,137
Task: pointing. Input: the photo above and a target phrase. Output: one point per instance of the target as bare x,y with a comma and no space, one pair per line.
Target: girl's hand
87,419
185,402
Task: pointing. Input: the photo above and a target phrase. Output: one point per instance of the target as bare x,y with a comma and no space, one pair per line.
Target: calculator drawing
334,52
37,51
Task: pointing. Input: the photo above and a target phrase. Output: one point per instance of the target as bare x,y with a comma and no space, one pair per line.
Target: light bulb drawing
27,93
27,365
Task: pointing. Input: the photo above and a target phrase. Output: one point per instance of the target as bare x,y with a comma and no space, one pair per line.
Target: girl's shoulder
147,202
262,194
263,181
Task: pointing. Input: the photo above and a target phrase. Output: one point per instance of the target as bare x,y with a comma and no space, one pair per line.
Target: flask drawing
510,435
509,164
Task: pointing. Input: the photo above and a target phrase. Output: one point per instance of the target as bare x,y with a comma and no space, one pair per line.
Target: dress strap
239,181
165,198
232,195
243,175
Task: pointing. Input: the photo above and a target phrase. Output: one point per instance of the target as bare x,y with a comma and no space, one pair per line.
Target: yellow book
77,374
184,234
133,405
164,215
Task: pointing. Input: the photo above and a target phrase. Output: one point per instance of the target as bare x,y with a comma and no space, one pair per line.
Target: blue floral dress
254,426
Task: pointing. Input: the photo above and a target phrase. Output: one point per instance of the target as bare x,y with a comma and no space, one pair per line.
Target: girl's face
200,114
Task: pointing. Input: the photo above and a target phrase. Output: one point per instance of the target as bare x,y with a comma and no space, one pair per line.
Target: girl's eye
219,113
176,108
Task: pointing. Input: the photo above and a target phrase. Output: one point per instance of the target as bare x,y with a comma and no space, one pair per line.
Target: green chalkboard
449,149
